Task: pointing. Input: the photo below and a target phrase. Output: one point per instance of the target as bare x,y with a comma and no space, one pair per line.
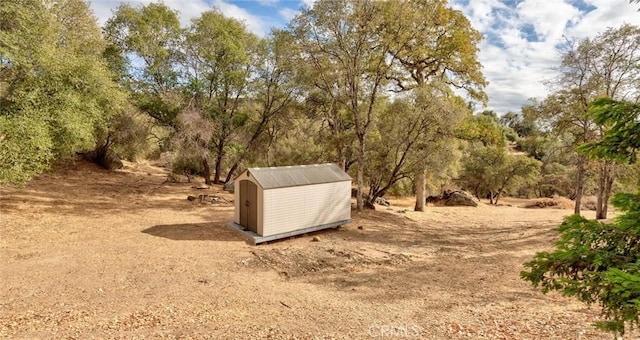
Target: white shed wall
293,208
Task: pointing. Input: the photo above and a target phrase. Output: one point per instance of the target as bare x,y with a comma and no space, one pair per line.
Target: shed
277,202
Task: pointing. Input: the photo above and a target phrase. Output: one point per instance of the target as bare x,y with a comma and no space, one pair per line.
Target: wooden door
249,205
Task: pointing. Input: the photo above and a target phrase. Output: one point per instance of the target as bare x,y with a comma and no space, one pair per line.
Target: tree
221,58
481,128
191,143
273,89
144,52
562,112
491,171
410,133
520,123
621,142
338,41
435,46
595,261
603,66
56,91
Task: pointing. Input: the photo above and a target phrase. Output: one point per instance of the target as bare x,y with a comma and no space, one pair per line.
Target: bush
187,165
555,179
130,131
404,187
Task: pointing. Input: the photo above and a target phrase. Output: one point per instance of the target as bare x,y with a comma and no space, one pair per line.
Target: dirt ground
87,253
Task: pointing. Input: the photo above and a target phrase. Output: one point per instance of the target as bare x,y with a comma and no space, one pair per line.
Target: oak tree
56,91
339,42
431,45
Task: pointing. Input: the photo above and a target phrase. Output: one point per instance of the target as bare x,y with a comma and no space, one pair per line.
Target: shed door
249,205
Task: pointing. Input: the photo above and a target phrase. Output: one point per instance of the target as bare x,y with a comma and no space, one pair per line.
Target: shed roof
290,176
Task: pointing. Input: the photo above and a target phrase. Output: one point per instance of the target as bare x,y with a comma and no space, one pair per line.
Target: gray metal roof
290,176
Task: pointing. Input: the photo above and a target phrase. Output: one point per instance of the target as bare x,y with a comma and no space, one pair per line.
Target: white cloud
609,14
254,23
479,12
288,13
548,21
268,3
307,3
516,67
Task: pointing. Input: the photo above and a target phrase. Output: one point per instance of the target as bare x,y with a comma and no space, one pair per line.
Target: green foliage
345,59
187,164
300,143
522,124
431,43
555,179
483,128
143,51
594,261
25,148
604,65
412,134
221,57
403,187
628,178
490,171
621,140
56,92
597,263
274,91
536,146
130,133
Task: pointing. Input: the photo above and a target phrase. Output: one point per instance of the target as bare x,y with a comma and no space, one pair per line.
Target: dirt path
87,253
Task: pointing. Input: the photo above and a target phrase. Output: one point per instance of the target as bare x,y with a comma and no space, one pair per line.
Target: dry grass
88,253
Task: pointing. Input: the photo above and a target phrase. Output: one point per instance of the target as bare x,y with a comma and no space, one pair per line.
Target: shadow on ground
82,188
194,232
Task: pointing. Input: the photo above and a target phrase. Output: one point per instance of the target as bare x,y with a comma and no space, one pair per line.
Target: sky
519,52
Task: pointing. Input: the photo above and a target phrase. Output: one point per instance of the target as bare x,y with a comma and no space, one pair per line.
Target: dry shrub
190,143
556,202
130,135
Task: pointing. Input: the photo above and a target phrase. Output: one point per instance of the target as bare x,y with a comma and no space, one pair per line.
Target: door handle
246,203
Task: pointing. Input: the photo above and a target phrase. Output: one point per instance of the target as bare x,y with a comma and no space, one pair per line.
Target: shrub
187,165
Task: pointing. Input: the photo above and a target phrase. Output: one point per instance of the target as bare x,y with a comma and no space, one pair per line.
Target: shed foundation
255,239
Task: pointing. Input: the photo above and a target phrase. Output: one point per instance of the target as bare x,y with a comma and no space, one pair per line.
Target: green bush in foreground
597,263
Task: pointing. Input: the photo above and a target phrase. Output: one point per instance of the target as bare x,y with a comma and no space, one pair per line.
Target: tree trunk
370,201
360,180
600,192
231,171
207,170
607,195
218,165
421,188
580,184
605,181
103,156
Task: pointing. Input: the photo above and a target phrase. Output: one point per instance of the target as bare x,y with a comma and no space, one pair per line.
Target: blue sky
519,51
